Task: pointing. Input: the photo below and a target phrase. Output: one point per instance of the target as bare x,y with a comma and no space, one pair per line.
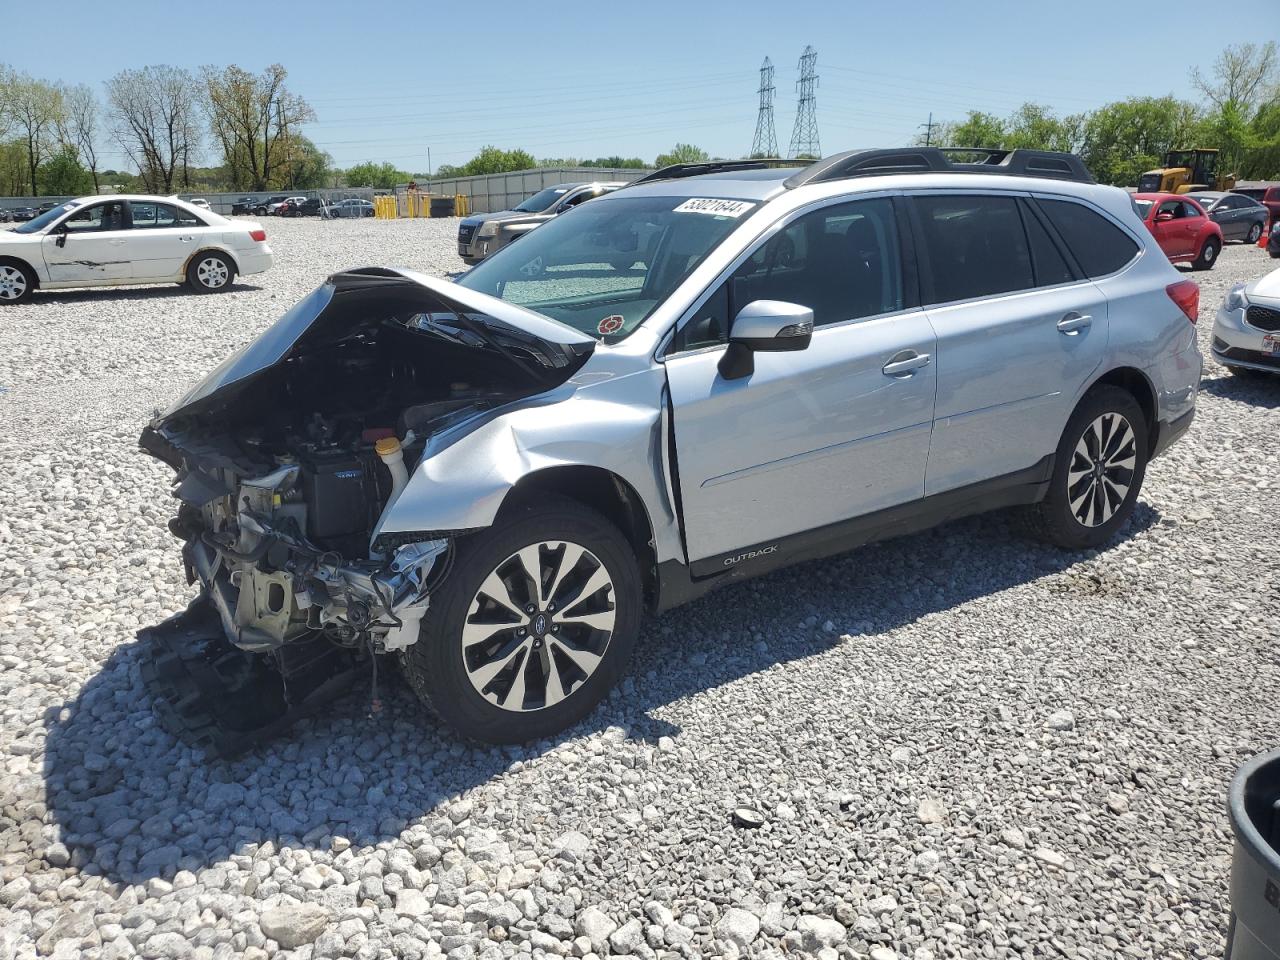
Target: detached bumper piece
214,696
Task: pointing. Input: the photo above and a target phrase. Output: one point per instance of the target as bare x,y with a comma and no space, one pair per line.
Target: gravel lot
961,744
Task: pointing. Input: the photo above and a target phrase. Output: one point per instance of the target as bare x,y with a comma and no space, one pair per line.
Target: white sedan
122,240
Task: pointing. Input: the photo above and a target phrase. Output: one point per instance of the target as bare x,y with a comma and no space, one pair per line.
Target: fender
606,421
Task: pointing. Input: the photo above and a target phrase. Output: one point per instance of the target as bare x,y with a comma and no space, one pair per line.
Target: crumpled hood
554,343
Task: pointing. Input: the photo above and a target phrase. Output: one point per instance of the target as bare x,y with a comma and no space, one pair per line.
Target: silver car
486,233
497,479
1246,332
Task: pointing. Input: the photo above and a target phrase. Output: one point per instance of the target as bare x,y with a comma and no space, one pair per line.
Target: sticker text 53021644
717,208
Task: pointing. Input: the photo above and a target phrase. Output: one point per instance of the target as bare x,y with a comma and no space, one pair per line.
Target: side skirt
679,583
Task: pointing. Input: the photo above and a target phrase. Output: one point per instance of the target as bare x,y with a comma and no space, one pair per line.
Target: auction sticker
717,208
610,324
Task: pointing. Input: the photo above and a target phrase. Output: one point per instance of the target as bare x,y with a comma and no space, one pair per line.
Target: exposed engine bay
283,473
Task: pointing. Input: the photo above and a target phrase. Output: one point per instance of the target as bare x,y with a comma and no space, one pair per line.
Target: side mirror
62,232
768,326
1163,217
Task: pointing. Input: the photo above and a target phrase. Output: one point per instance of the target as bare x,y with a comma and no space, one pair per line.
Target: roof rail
678,170
874,163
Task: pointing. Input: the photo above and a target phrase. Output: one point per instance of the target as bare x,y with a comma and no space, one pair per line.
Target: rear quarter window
1099,246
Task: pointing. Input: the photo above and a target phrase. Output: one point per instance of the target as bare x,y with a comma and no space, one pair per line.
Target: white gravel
961,744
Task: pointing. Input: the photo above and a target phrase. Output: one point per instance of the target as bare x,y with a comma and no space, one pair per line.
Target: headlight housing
1236,300
488,228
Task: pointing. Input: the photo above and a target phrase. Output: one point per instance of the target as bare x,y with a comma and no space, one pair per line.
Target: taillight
1186,294
261,236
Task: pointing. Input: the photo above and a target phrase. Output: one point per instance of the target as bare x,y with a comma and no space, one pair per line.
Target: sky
419,83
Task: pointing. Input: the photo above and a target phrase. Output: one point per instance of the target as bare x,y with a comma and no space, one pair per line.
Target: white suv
714,372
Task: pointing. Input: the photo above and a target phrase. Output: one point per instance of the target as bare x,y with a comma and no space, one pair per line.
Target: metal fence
485,194
218,202
502,191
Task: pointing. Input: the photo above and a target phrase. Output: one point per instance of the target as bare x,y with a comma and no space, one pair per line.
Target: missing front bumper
225,700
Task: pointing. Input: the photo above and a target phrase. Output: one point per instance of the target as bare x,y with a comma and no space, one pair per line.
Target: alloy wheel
212,272
538,626
1102,468
1254,233
13,283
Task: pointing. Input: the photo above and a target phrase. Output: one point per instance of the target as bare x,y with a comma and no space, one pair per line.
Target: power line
804,138
765,142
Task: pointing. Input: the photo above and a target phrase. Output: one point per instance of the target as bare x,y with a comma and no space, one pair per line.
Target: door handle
186,239
117,243
1073,323
905,364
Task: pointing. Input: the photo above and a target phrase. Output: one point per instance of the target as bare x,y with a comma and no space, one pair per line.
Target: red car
1181,227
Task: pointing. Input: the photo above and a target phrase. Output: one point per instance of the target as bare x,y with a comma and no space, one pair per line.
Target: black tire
17,282
1208,255
436,666
1254,233
210,272
1054,519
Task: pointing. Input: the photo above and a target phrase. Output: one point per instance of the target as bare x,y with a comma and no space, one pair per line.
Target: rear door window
1047,261
976,246
1098,245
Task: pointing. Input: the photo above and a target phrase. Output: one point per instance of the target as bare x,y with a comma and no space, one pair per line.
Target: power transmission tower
804,138
928,130
765,142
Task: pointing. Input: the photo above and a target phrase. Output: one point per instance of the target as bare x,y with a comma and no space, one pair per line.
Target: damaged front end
289,457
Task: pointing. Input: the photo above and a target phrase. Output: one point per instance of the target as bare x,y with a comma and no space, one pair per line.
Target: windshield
42,221
542,200
1142,208
1181,158
603,267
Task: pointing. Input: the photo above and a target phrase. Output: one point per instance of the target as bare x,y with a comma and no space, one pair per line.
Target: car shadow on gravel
158,292
1262,390
134,803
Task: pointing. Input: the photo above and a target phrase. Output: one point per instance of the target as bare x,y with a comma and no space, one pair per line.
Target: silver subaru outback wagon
714,372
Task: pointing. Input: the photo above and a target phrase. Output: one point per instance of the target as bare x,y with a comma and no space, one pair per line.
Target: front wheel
1208,256
210,273
532,627
17,282
1254,233
1097,472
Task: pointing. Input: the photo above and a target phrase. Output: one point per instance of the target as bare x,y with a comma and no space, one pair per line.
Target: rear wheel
1254,233
1098,470
1208,255
17,282
533,626
210,273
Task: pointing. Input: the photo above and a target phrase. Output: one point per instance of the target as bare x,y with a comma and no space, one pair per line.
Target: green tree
380,176
34,110
1262,158
682,153
492,159
1124,138
256,121
308,167
64,175
1034,127
616,163
978,129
